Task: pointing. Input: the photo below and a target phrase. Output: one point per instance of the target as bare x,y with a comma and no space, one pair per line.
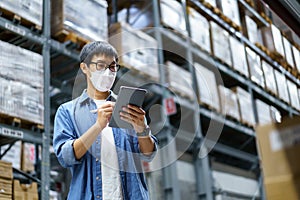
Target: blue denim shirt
71,121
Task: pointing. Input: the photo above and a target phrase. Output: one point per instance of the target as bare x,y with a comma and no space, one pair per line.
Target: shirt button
97,178
98,197
97,159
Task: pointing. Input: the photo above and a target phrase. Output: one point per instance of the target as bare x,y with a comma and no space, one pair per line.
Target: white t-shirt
111,180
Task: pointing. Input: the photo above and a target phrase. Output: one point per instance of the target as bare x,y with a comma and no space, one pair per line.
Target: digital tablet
127,95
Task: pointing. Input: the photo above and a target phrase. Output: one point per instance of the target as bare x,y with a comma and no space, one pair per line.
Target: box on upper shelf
250,30
180,80
270,82
137,50
239,61
32,10
296,55
229,103
69,17
282,86
293,91
207,85
230,9
199,22
172,15
245,106
220,43
288,52
256,73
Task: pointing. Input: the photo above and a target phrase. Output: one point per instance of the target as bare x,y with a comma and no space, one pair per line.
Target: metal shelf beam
253,11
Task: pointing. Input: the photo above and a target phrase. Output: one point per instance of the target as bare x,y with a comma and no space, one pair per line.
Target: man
105,162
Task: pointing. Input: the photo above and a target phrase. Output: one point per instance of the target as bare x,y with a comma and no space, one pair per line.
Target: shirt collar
84,97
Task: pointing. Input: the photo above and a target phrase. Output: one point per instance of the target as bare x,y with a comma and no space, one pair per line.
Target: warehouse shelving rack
51,48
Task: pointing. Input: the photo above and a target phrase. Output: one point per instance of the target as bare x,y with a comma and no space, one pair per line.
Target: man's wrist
146,132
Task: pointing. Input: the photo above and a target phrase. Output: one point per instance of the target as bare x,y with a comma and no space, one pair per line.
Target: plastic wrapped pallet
87,18
264,115
251,30
272,39
207,86
256,73
288,51
282,86
231,10
220,43
136,49
172,15
296,54
197,22
245,106
293,91
269,77
31,10
238,53
22,65
20,100
180,80
229,103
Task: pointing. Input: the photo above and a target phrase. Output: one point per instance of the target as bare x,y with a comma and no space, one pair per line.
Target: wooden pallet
17,19
263,48
263,15
179,33
70,36
247,124
207,106
251,3
271,92
21,123
180,93
230,22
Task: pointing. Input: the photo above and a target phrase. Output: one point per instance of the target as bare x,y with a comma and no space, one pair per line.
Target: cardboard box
13,155
282,86
264,115
256,73
25,191
272,39
288,51
6,171
270,82
28,157
180,80
207,86
282,187
230,9
201,38
5,188
136,49
251,30
229,103
293,91
220,43
239,61
279,148
172,15
296,55
245,106
71,16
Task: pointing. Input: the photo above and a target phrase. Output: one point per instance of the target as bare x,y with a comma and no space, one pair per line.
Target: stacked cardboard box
231,10
250,29
264,115
229,103
136,49
207,85
25,191
256,73
279,152
272,39
282,86
172,15
293,91
30,10
245,106
28,157
296,54
288,52
239,61
180,80
13,155
270,82
6,176
71,16
198,22
220,43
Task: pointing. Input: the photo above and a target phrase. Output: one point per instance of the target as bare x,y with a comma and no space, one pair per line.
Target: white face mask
103,80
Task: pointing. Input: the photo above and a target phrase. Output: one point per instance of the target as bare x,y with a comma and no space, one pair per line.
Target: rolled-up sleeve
63,138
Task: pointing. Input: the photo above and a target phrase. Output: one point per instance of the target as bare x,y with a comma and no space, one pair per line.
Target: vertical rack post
45,171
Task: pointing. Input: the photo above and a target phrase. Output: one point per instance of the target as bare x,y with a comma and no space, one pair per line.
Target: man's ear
83,67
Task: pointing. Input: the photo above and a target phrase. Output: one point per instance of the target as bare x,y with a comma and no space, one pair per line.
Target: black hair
96,48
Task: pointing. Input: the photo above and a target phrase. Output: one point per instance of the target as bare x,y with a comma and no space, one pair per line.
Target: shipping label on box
269,77
238,56
256,73
207,85
198,22
231,10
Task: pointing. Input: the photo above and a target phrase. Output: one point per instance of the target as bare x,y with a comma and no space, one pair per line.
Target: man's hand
104,114
135,116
